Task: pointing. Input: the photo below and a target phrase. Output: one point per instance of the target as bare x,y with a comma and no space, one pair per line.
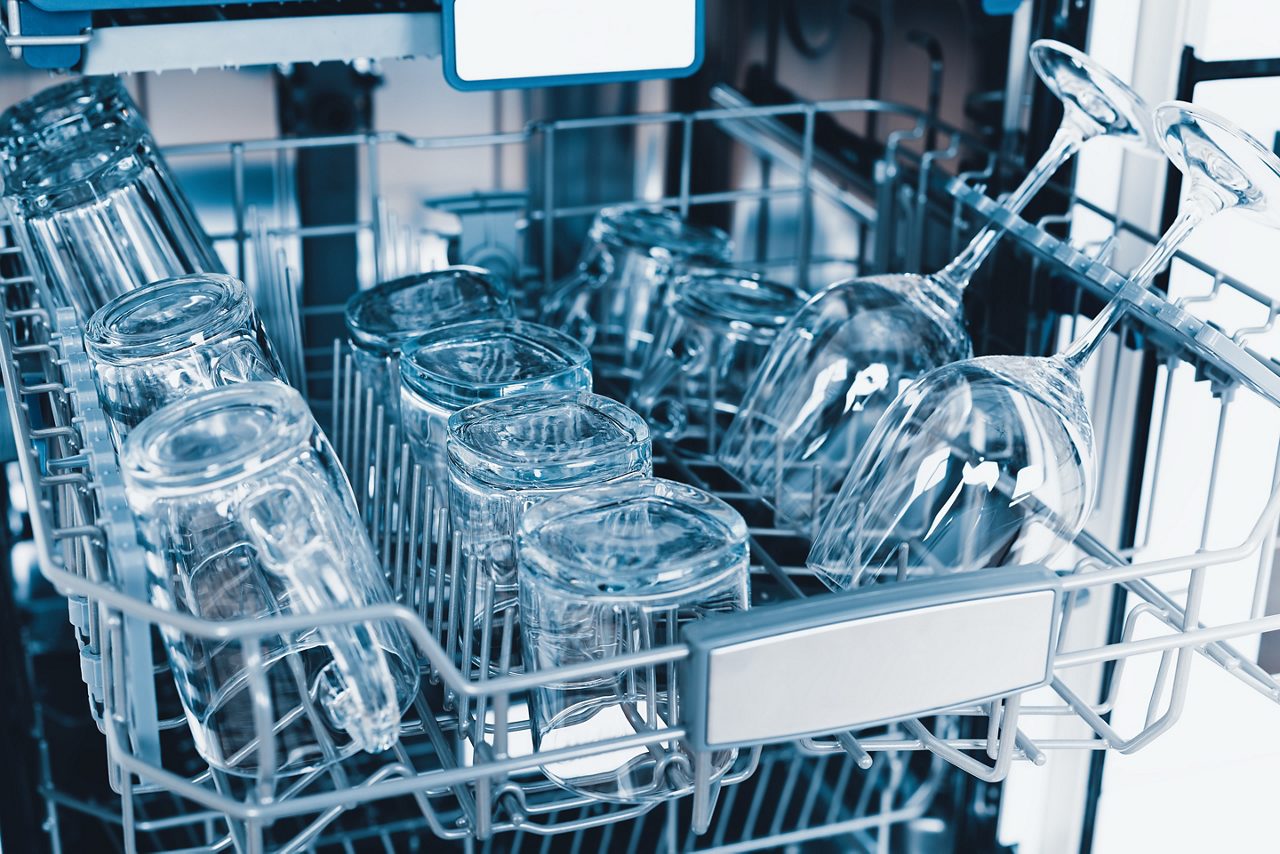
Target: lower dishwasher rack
787,787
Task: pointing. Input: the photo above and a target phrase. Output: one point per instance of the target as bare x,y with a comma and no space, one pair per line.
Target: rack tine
387,505
502,702
335,392
402,493
350,396
373,485
409,561
856,751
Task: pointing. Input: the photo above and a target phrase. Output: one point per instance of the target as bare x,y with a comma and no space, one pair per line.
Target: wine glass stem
1198,207
1066,142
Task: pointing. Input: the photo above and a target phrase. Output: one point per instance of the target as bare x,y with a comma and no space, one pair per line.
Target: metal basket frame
88,549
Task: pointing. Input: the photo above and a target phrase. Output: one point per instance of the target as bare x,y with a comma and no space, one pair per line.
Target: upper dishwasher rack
453,764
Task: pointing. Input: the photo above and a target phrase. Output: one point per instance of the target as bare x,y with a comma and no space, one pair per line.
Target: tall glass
611,302
466,363
54,116
509,454
382,319
164,342
610,570
712,337
101,215
245,513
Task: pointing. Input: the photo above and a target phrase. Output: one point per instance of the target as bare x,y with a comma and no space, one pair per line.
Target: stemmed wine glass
847,354
990,461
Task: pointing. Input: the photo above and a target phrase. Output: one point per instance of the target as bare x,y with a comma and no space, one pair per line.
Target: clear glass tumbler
610,570
712,337
509,454
612,301
170,339
382,319
466,363
100,215
53,116
245,513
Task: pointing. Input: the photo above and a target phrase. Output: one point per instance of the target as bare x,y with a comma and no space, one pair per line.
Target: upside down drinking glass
616,569
466,363
510,454
53,116
246,514
100,215
171,339
991,461
851,350
712,337
631,256
382,319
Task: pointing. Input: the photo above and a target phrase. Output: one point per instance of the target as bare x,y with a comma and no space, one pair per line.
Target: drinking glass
245,513
990,461
507,455
610,303
611,570
383,318
466,363
838,365
712,337
55,115
168,340
100,215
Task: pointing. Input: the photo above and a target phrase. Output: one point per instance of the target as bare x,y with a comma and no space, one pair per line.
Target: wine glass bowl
1100,102
985,462
826,382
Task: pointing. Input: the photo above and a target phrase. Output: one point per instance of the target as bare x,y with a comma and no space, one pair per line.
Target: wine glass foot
1216,155
1105,102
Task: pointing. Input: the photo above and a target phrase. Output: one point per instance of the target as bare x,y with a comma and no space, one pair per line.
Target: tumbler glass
246,514
170,339
711,339
55,115
610,303
100,215
466,363
611,570
382,319
507,455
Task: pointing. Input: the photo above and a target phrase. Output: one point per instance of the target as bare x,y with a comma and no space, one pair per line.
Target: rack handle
869,656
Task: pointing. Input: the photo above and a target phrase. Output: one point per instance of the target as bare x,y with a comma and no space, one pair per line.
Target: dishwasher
826,141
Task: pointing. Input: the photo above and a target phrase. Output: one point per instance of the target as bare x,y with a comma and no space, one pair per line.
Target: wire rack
456,772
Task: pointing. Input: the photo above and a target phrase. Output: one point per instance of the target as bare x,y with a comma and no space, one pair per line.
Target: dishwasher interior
813,188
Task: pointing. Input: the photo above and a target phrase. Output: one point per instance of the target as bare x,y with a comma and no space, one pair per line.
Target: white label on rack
519,39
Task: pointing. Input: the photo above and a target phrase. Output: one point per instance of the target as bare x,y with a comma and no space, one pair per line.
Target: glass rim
660,580
86,86
83,170
281,418
434,386
660,230
387,340
227,310
700,295
550,470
